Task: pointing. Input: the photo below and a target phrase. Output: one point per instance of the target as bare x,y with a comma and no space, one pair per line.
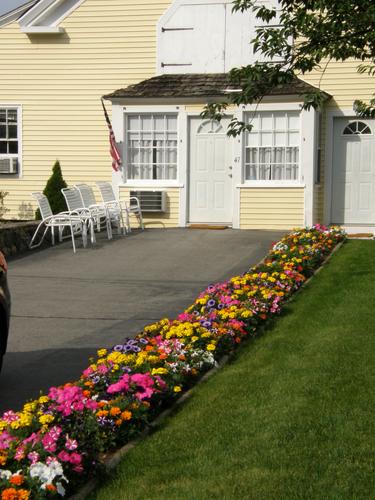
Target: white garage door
353,183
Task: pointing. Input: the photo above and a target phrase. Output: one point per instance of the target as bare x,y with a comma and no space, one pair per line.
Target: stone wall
15,237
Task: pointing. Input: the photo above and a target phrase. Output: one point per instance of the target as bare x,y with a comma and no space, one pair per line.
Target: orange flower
149,348
182,357
102,413
13,494
3,457
193,371
115,411
17,479
86,393
162,356
102,403
126,415
51,487
88,384
118,422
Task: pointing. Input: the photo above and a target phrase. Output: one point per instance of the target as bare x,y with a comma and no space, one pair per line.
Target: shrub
3,209
53,191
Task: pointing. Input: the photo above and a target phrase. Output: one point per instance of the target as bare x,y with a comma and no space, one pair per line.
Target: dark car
4,308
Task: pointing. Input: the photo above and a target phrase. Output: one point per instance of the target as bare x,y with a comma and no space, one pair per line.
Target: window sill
270,184
151,184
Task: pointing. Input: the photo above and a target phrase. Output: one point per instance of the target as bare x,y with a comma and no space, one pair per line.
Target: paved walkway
65,306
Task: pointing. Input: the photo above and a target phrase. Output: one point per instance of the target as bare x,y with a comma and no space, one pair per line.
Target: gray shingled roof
196,85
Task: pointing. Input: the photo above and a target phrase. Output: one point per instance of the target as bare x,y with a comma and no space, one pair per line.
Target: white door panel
210,176
353,182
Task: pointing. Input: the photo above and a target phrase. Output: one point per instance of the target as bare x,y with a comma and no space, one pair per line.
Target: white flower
60,489
5,474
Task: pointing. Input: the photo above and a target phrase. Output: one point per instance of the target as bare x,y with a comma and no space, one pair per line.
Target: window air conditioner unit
8,166
151,201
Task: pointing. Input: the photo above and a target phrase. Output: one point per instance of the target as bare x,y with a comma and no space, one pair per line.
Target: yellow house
157,63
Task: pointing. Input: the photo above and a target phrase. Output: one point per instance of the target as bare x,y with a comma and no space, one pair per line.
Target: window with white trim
272,146
10,148
151,146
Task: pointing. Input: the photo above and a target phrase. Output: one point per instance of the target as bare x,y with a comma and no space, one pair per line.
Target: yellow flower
102,353
211,347
194,339
46,419
177,388
159,371
43,399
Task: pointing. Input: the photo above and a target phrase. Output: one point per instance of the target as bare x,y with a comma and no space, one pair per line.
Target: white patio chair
51,221
98,210
74,204
110,200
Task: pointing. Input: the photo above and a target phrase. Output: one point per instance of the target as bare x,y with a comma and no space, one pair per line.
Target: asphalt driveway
65,306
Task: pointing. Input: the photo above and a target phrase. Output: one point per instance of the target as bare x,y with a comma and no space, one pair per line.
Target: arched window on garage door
357,128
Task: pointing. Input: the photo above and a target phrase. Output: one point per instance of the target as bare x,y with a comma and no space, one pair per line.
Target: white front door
353,182
210,172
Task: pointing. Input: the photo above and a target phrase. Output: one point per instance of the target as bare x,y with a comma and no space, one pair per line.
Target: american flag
114,152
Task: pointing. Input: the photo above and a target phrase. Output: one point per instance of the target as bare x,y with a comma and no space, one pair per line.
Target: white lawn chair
74,204
110,200
51,221
98,210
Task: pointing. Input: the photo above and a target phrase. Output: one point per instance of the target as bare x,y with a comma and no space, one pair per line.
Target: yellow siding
167,219
271,208
343,82
59,79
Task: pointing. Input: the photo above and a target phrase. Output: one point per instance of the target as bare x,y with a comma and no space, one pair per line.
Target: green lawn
291,417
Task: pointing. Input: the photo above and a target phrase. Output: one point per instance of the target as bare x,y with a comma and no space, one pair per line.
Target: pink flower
64,456
5,440
10,416
78,468
33,456
71,444
49,444
20,453
75,458
121,386
102,369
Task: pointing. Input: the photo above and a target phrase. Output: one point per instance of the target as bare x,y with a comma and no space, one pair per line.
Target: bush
53,191
3,209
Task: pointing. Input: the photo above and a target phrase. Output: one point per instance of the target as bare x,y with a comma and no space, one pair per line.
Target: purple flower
143,341
118,348
220,306
95,380
136,348
206,324
211,303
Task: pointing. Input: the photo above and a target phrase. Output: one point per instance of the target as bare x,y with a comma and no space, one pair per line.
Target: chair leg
53,235
72,234
84,234
31,246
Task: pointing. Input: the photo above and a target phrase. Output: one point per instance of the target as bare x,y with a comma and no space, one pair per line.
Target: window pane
3,147
159,122
293,138
12,115
293,119
2,116
3,131
13,147
266,138
280,122
267,121
252,139
12,131
171,123
133,122
280,139
146,122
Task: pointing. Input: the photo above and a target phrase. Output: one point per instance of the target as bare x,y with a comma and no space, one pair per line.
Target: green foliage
53,191
307,36
3,209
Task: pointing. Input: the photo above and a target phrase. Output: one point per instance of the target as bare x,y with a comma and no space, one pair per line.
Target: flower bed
55,443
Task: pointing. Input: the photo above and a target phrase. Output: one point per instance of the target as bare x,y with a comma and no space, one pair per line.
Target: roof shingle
196,85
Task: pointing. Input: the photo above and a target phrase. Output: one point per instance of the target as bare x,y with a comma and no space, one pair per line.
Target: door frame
235,192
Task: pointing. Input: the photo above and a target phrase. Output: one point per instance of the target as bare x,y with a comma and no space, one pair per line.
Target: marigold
13,494
51,487
16,479
126,415
115,410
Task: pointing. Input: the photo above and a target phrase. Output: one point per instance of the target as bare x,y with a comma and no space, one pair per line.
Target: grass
291,417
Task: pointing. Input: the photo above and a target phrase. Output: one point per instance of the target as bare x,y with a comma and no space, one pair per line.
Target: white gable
205,36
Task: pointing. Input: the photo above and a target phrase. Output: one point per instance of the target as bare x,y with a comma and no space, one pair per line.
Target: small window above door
357,128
